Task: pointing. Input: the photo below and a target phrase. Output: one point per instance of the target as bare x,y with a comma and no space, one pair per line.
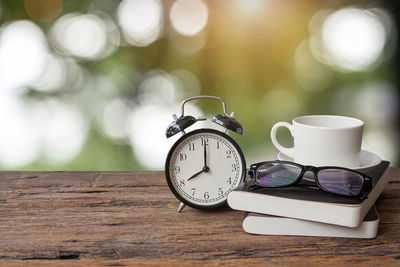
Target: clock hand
205,156
194,175
204,169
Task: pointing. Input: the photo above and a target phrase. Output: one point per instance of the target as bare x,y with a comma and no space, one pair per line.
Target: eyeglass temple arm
252,173
203,97
369,184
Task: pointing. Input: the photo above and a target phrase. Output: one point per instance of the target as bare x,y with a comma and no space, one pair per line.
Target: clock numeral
177,169
204,141
182,183
206,195
182,157
234,167
191,146
228,154
217,144
220,191
193,190
229,180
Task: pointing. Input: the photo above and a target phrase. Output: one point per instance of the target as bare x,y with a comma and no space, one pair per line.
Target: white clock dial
204,167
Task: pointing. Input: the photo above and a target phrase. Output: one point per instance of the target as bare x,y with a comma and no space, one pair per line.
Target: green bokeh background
254,56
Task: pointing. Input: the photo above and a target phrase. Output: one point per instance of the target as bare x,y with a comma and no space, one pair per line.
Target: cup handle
285,150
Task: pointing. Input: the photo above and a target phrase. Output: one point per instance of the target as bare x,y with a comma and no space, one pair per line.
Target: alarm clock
204,165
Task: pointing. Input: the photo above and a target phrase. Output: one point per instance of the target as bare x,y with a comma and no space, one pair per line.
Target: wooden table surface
130,218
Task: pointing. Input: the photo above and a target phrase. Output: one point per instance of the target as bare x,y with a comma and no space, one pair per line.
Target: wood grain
130,218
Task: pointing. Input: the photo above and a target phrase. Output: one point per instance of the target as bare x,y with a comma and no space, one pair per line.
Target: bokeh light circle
141,21
23,54
19,144
115,117
381,96
62,130
189,17
43,10
310,74
83,36
271,106
354,38
157,87
54,75
146,132
50,128
383,105
382,141
187,83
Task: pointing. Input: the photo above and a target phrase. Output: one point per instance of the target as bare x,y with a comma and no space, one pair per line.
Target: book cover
262,224
310,204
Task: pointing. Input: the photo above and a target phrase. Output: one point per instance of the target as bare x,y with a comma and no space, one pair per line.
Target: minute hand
205,156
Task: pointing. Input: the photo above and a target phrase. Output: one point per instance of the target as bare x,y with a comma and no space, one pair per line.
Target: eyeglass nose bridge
306,169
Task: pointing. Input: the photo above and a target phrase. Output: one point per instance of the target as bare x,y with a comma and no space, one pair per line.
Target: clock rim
168,177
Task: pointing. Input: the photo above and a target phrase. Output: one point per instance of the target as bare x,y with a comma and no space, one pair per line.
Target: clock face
203,166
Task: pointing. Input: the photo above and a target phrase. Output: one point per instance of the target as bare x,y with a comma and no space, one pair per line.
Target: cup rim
357,122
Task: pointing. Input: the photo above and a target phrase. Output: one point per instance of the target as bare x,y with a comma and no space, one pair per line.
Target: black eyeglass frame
365,188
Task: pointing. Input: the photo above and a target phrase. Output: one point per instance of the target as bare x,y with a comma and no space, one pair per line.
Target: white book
310,204
261,224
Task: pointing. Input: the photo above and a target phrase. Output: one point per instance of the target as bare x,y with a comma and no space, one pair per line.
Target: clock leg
181,206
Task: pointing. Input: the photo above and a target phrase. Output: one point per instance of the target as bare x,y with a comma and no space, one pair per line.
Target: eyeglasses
336,180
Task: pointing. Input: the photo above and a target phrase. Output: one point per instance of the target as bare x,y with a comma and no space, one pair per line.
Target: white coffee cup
323,140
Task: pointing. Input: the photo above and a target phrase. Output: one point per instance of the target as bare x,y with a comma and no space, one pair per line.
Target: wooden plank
106,218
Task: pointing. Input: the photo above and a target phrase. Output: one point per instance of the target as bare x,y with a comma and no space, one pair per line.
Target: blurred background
92,85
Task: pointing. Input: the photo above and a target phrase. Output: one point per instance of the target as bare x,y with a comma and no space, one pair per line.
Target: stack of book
308,212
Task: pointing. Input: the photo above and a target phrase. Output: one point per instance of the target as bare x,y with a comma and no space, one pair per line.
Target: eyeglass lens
340,181
277,174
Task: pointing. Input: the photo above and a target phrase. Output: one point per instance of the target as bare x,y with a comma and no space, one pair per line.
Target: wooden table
123,218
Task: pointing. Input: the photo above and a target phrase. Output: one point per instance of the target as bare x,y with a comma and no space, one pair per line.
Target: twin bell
183,122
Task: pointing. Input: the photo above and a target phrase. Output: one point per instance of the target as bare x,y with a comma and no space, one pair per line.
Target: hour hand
194,175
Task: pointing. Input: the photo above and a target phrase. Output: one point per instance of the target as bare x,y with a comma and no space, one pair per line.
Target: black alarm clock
204,165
